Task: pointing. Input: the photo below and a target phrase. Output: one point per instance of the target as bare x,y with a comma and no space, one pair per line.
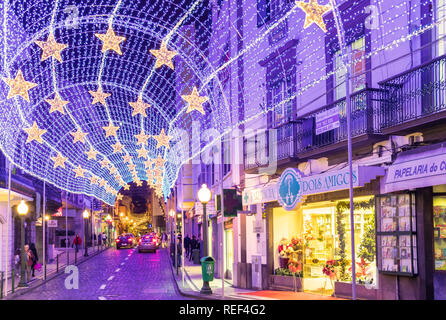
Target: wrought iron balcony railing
365,106
414,94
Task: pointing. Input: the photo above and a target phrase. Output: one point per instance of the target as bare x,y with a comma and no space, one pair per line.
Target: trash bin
196,256
207,268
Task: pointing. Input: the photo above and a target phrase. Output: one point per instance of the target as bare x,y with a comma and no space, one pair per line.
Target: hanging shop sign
427,170
232,202
327,120
52,223
289,188
292,185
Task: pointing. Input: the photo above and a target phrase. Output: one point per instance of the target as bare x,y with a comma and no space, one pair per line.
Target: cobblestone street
121,274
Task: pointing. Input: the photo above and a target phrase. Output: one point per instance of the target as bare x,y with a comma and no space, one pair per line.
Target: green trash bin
207,268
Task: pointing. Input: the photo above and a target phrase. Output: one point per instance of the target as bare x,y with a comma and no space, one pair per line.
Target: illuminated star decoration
18,86
143,153
51,48
119,197
79,172
34,133
102,182
127,187
139,107
159,162
162,139
127,158
148,163
110,41
110,130
59,160
104,163
92,154
142,138
99,96
138,183
163,56
117,147
195,102
94,180
79,135
314,13
57,104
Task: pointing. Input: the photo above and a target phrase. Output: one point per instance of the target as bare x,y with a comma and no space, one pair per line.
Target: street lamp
86,215
204,196
22,209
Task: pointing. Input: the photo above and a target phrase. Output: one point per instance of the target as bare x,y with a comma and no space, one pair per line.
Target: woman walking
34,257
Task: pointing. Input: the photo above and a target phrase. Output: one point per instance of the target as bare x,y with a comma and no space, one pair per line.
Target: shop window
440,231
396,234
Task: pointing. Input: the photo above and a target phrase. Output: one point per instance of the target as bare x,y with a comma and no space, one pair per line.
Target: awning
421,167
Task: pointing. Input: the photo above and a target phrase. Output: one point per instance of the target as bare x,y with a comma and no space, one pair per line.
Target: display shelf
396,234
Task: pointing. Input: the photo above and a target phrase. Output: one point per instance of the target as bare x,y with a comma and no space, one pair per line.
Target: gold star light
142,138
164,56
79,172
132,166
119,197
104,163
91,154
99,96
94,180
159,162
127,187
110,130
143,153
34,133
18,86
113,170
79,135
139,107
57,104
102,182
138,183
51,48
313,13
117,147
127,158
110,41
195,102
162,139
148,163
59,161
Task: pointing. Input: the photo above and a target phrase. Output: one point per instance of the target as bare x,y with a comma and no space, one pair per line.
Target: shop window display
396,234
440,232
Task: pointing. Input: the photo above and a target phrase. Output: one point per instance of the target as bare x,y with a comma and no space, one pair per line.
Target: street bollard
57,264
13,280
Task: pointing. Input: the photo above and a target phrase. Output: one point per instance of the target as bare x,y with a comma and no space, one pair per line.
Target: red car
126,240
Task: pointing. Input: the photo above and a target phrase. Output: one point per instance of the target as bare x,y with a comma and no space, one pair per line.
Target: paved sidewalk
193,283
53,269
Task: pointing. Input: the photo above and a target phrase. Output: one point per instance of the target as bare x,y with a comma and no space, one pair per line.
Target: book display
396,234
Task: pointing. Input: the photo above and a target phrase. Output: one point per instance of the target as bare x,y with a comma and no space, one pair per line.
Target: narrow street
115,274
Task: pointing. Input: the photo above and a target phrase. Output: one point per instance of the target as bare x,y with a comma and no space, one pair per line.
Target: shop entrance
319,238
229,259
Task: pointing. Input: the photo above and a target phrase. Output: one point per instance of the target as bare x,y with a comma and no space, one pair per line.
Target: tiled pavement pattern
121,274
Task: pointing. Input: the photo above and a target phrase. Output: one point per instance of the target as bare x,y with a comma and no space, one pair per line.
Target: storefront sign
327,120
417,173
260,195
289,188
320,183
52,223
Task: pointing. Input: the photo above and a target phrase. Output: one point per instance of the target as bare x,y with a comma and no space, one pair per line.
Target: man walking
187,243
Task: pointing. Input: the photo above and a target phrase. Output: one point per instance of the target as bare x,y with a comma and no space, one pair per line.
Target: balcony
365,126
21,183
415,98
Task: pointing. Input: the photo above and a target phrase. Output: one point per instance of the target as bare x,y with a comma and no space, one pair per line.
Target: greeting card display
396,234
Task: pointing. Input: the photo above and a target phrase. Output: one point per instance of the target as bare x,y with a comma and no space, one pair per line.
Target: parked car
147,243
126,240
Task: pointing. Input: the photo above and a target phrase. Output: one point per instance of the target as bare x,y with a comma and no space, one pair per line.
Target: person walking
34,257
104,238
17,262
187,243
77,242
193,245
29,262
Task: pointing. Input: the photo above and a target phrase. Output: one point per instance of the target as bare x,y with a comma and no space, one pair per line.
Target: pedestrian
193,245
29,262
17,262
187,243
104,238
77,242
164,239
34,257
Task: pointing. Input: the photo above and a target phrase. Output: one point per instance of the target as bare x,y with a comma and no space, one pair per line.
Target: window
280,92
271,10
440,16
226,154
440,232
356,50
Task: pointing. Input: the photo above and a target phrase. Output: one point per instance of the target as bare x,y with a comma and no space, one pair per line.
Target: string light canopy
95,93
